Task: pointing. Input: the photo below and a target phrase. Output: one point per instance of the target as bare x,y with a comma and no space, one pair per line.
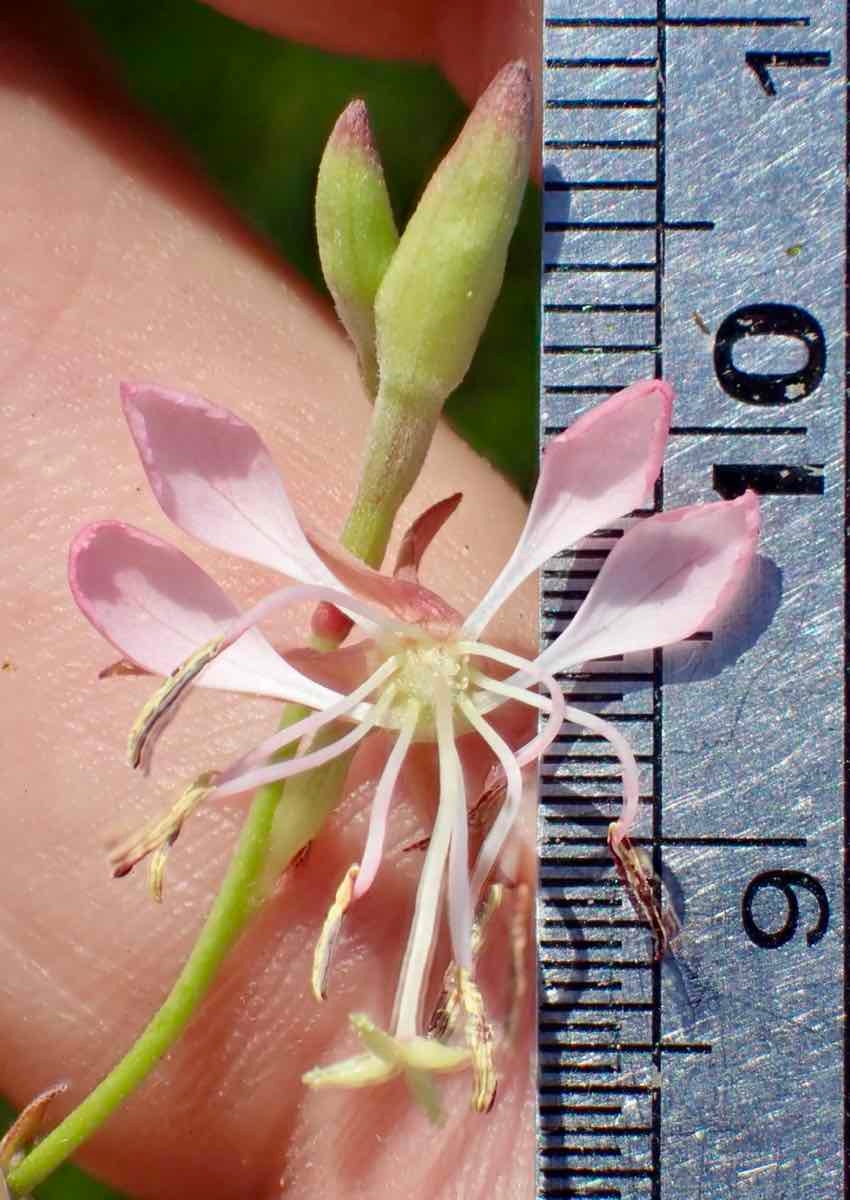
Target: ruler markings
627,227
792,479
557,348
596,1194
599,63
846,647
618,309
660,21
605,144
677,430
555,910
563,855
589,1151
594,964
657,663
606,1131
583,268
739,430
612,923
723,843
596,102
609,185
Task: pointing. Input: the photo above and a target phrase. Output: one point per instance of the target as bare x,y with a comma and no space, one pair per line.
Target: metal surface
695,197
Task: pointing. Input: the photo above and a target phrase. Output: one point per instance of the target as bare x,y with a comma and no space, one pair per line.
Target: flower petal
405,599
603,466
214,477
157,607
421,534
669,576
331,627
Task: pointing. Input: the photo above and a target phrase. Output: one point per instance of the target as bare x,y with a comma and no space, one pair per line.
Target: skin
119,263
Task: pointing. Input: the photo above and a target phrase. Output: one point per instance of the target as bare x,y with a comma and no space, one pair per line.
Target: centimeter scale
695,180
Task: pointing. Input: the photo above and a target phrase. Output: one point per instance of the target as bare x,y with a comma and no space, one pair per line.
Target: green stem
238,898
398,441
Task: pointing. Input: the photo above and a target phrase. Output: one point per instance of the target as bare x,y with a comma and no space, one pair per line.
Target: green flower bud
437,295
355,228
440,287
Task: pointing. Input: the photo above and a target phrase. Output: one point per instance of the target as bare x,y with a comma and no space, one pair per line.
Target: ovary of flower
424,674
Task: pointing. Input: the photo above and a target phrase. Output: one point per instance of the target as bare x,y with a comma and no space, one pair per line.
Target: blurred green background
254,112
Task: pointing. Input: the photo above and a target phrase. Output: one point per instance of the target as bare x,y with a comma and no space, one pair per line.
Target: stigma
426,667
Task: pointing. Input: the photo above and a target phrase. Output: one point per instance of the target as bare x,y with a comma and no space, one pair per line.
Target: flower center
423,668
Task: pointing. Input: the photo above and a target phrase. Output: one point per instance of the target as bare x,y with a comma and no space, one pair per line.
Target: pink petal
421,534
157,608
214,477
409,601
343,669
603,466
668,577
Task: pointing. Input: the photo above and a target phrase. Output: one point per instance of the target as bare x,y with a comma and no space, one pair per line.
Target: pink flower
426,674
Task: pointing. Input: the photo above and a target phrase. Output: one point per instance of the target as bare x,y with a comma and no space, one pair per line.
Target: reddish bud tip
328,624
509,100
353,130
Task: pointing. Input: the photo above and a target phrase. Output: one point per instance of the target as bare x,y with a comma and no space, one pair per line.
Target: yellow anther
479,1039
520,919
163,704
447,1009
325,946
159,836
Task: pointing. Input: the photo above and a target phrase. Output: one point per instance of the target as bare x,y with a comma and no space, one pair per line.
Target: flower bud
436,297
440,287
355,228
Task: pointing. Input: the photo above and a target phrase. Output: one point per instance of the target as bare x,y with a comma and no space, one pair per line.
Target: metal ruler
695,226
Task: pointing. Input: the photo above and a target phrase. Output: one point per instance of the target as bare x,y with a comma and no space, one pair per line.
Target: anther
448,1007
159,836
26,1128
644,890
163,704
328,938
479,1039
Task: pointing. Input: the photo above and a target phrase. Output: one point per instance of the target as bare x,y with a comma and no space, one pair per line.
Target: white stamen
501,688
628,764
311,725
502,826
459,891
381,802
418,953
538,745
260,776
